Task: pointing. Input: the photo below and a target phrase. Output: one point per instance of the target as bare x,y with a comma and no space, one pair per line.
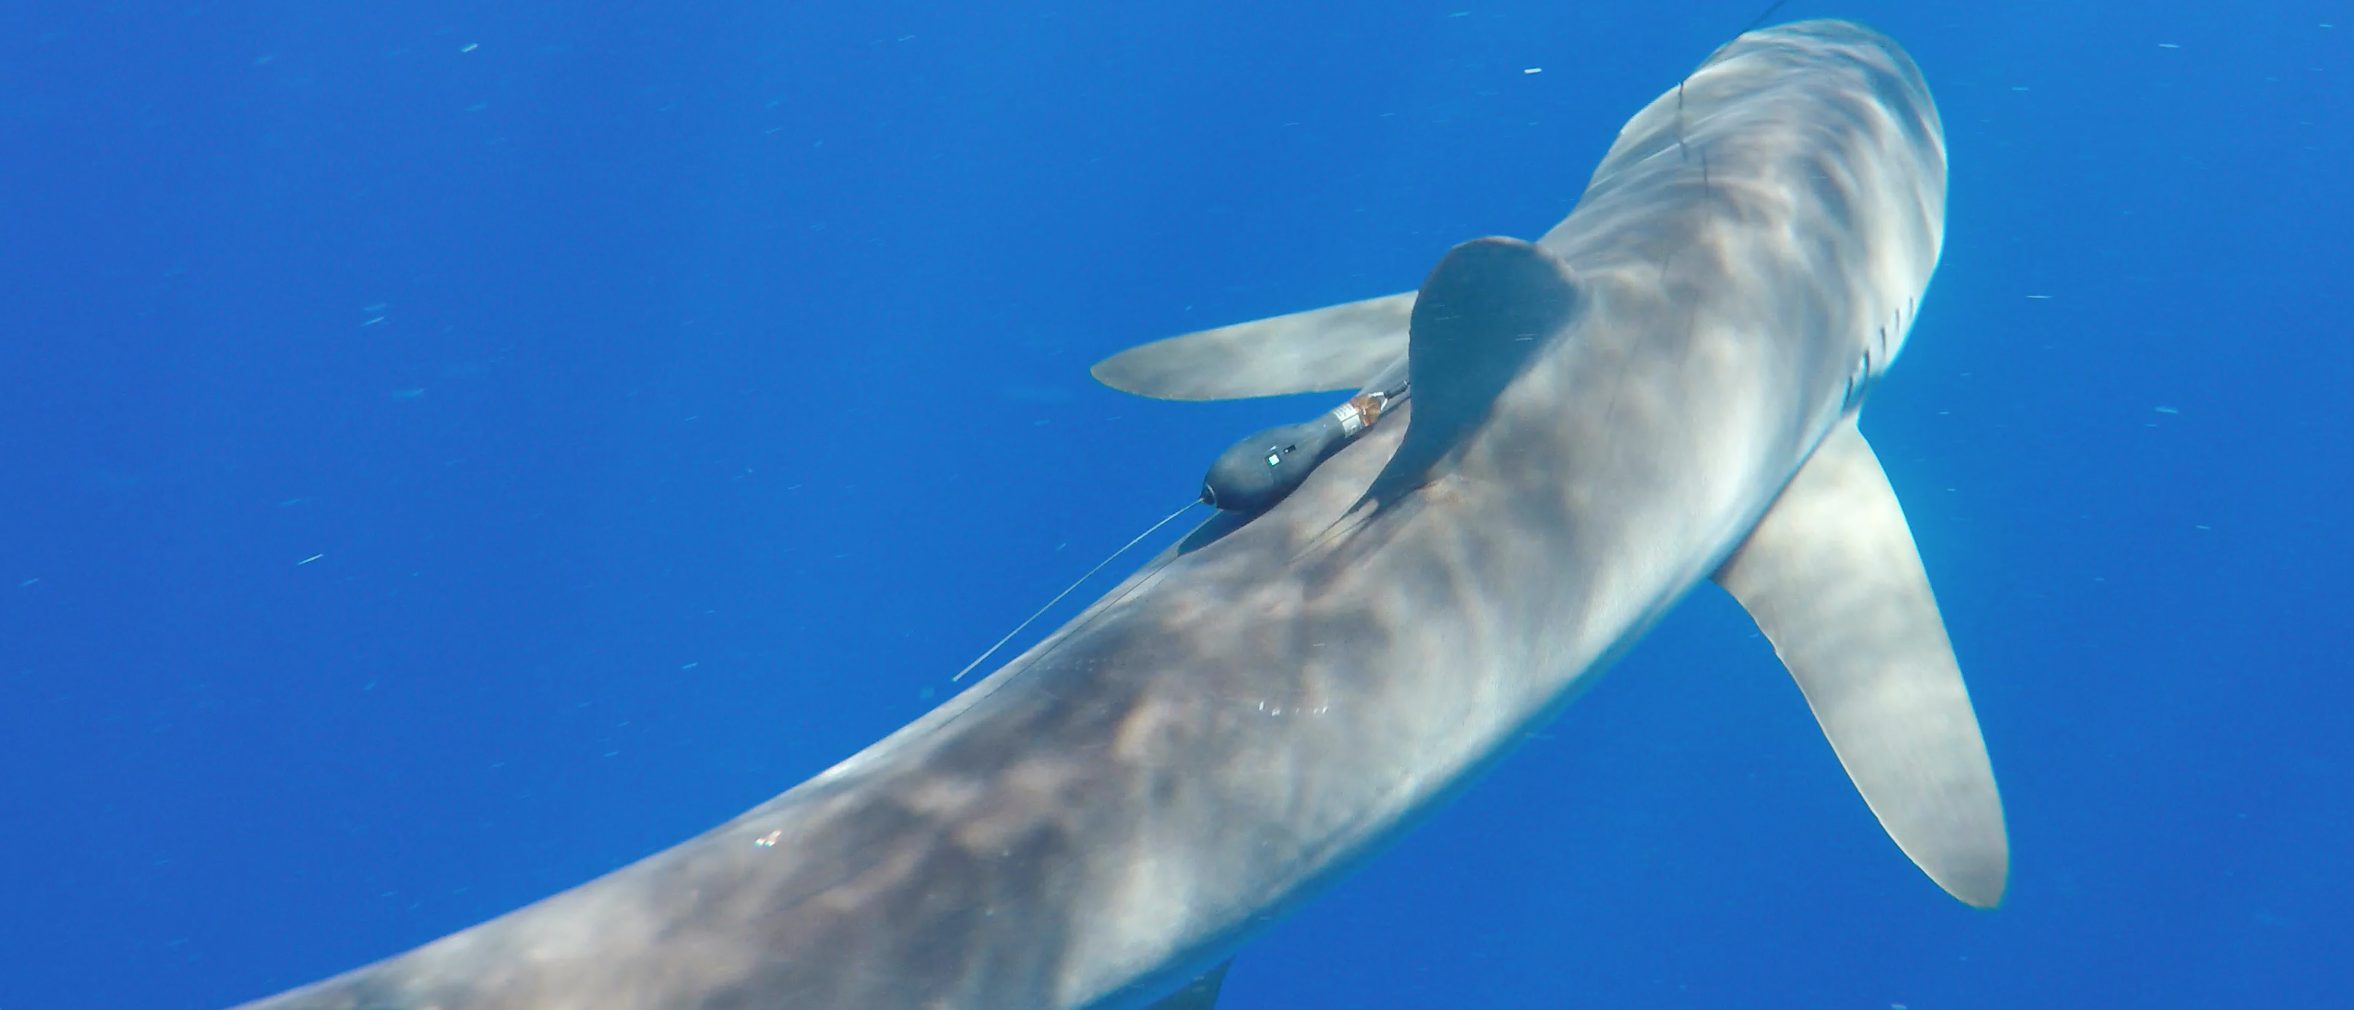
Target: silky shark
1660,391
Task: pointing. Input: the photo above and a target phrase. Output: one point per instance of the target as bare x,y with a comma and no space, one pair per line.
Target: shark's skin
1116,811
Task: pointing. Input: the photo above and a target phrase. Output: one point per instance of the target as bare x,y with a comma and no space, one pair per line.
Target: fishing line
1058,597
1681,154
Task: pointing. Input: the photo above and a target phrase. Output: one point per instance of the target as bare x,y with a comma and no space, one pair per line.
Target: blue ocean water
451,450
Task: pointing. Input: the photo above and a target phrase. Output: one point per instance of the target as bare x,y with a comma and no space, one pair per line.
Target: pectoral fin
1339,347
1832,577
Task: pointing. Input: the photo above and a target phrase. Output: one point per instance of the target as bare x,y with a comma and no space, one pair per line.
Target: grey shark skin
1660,391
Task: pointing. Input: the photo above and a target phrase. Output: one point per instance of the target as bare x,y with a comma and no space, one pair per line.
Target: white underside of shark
1659,392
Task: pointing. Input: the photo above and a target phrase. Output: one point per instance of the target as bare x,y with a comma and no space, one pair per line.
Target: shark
1660,392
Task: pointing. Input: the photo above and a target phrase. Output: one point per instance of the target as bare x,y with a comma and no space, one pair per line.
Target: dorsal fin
1338,347
1487,306
1833,579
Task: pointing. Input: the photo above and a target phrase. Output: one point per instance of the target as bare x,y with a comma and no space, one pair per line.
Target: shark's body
1600,422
